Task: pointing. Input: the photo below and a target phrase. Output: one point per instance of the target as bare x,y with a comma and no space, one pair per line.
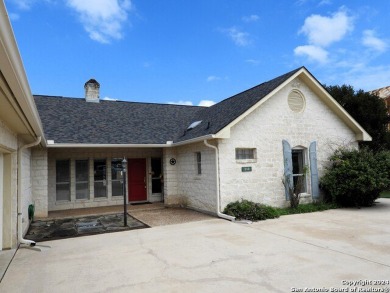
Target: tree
368,110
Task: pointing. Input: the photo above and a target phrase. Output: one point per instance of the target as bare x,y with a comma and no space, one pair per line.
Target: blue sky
197,52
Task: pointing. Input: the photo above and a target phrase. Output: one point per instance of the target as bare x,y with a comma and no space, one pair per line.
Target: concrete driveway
321,251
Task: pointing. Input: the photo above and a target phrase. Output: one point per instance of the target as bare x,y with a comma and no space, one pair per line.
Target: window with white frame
245,154
116,177
198,159
100,183
82,179
63,180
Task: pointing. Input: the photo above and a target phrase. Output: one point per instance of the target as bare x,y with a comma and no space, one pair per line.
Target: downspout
19,193
221,215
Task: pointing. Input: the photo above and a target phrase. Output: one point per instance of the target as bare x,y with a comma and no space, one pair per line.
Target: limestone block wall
26,187
171,196
8,204
91,154
39,176
196,191
9,144
264,129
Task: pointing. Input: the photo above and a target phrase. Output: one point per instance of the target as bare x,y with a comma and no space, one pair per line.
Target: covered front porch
82,178
79,178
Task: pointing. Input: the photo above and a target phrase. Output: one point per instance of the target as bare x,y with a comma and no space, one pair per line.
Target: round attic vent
296,101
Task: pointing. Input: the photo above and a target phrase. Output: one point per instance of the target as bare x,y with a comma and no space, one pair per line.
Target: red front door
137,179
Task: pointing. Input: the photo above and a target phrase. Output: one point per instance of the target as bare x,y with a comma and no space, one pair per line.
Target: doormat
140,203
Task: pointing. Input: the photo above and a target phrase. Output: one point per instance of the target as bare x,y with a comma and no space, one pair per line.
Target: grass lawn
306,208
385,194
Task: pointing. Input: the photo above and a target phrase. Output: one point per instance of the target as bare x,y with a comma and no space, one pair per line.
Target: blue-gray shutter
287,157
313,170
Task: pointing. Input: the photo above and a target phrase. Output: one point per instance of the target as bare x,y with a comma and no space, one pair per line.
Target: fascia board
88,145
226,130
194,140
360,133
14,73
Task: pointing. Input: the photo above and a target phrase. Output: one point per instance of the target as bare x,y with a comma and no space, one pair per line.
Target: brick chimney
92,91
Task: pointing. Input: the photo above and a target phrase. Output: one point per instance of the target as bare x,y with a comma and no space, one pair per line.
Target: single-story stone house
60,153
200,157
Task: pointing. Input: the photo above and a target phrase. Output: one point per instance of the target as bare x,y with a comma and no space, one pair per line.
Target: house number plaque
246,169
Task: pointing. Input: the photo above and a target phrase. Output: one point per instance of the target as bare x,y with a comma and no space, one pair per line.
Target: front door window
298,162
156,175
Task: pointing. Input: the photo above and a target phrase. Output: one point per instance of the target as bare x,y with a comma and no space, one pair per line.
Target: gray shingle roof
73,120
218,116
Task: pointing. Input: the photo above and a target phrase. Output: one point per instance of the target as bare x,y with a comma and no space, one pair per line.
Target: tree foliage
368,110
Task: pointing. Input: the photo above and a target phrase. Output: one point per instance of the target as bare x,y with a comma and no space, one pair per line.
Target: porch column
170,176
39,178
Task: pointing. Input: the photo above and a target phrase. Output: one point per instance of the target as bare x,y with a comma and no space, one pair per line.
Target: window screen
245,154
198,157
116,177
62,180
100,186
82,186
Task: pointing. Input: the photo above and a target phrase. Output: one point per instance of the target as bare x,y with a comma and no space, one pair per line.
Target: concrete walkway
318,251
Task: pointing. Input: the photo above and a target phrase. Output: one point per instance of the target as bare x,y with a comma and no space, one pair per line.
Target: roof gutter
91,145
19,192
52,144
221,215
192,140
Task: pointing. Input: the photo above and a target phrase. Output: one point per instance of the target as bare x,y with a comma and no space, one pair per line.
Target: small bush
356,178
249,210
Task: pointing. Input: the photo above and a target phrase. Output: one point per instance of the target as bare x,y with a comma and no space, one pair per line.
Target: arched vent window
296,101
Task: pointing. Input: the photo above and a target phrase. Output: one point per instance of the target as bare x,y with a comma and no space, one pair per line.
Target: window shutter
313,170
287,158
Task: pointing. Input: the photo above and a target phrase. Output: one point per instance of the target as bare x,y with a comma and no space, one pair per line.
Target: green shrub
249,210
356,178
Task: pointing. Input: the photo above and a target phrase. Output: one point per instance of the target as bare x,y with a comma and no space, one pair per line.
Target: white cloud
102,19
251,18
182,102
240,38
13,16
252,61
27,4
213,78
24,4
203,103
109,99
323,31
366,77
325,2
146,64
206,103
371,41
314,53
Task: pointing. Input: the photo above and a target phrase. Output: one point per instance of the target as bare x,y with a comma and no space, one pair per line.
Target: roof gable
231,111
219,116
